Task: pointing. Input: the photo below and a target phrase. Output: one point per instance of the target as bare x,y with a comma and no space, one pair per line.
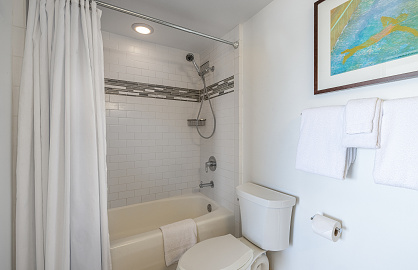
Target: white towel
396,162
320,150
359,115
178,237
362,123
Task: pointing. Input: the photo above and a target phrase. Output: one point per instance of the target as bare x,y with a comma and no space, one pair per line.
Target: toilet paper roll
326,227
261,263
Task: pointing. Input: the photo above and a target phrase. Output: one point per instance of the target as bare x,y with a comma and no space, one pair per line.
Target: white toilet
265,220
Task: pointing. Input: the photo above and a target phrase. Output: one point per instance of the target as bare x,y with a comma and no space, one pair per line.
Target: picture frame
364,42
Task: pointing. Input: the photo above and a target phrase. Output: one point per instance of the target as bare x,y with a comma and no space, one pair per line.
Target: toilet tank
265,216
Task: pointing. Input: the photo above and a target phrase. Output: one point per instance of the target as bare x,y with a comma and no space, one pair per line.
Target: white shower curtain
61,207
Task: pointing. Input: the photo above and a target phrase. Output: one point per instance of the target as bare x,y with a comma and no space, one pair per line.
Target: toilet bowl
265,220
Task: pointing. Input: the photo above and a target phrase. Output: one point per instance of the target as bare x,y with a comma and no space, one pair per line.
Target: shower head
190,58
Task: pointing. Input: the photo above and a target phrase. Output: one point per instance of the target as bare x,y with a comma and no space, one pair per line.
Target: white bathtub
136,240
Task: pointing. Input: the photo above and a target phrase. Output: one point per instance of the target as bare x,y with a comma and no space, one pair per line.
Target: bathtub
136,241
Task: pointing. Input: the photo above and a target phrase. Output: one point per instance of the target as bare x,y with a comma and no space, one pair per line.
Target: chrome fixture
211,164
190,58
337,230
210,184
203,69
196,122
201,72
151,19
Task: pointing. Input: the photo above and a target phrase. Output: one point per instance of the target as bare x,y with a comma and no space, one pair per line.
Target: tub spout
210,184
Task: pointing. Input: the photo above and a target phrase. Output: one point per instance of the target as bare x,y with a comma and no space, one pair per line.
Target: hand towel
359,115
396,161
178,237
320,150
362,123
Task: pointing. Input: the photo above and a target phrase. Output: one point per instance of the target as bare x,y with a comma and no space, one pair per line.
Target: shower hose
205,94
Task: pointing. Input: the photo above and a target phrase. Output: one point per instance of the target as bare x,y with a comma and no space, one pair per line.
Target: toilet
265,220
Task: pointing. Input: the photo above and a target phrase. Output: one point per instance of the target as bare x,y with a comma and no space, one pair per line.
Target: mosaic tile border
221,88
145,90
136,89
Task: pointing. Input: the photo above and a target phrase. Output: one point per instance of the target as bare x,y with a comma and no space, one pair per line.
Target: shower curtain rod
148,18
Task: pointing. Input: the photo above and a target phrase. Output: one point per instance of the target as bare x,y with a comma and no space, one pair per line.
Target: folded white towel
359,115
178,237
396,161
320,150
362,130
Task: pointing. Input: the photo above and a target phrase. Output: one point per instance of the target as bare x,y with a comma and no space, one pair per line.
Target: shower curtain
61,192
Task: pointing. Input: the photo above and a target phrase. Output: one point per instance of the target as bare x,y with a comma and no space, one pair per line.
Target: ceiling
212,17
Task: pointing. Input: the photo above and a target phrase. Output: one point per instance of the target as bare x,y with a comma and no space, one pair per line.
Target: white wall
6,135
379,221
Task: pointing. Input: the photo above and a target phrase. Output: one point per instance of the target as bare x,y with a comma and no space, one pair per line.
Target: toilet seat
224,252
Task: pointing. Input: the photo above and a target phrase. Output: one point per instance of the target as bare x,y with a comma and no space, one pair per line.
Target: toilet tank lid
265,196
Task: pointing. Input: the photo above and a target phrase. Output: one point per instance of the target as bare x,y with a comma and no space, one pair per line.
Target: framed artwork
364,42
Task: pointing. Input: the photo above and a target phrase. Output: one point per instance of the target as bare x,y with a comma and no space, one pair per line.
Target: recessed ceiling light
142,28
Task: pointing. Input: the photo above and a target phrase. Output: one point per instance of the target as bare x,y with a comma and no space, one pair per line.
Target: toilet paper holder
337,229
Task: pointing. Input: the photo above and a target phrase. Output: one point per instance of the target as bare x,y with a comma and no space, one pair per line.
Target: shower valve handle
211,164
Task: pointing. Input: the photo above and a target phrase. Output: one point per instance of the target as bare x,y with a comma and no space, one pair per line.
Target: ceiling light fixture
142,28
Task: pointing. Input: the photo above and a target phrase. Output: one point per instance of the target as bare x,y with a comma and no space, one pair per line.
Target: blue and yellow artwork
369,32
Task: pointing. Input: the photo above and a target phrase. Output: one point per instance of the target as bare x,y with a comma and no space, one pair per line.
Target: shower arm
155,20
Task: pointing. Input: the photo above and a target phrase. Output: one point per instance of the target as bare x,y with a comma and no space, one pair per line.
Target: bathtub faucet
210,184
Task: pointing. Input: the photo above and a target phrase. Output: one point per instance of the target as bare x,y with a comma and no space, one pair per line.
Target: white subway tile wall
130,180
152,153
135,60
225,144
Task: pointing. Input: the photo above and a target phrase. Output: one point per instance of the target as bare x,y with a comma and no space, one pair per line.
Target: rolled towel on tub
178,237
396,161
320,149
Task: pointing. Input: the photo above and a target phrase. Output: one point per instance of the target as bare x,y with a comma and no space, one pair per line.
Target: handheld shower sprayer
190,58
201,73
